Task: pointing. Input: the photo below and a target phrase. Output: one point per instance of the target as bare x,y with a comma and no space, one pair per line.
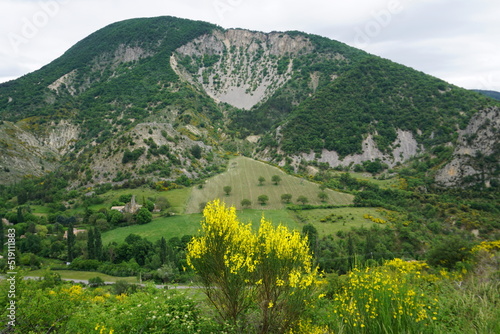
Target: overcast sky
455,40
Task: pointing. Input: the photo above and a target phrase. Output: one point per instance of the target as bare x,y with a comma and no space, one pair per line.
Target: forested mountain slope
160,98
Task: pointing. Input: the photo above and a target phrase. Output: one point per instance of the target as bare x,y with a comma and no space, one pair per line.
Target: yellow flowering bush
487,246
286,276
386,297
237,267
374,219
223,257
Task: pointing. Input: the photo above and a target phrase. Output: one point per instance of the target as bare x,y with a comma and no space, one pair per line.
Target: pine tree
71,242
163,250
90,244
97,245
2,236
20,215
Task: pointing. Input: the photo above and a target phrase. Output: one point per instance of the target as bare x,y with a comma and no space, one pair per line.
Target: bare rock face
122,55
24,152
476,155
239,67
404,147
66,81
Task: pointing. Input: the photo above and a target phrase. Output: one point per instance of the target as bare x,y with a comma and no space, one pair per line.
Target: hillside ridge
302,99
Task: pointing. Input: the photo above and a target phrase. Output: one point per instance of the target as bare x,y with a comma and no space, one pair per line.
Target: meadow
189,224
243,175
330,221
243,178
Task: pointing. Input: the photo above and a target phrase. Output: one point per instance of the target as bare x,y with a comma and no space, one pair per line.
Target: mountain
163,99
489,93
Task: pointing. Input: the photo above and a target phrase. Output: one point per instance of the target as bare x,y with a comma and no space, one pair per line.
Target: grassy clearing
177,197
177,226
84,275
242,176
167,227
388,183
39,210
341,219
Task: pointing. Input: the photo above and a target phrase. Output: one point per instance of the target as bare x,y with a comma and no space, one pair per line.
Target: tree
143,216
286,198
148,204
163,250
302,199
94,244
246,203
276,179
71,242
323,196
97,244
90,244
162,203
227,190
196,151
261,180
263,199
96,282
448,252
114,217
312,236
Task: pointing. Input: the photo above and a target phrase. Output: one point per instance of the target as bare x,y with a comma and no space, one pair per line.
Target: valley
310,168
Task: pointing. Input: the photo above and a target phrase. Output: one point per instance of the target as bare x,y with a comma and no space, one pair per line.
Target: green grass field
388,183
167,227
177,197
341,219
242,176
189,224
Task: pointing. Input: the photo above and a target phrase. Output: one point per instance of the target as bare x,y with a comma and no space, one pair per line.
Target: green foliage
272,269
132,156
143,216
263,199
286,198
261,180
246,203
343,112
448,252
276,179
96,281
302,199
227,190
125,198
196,151
323,196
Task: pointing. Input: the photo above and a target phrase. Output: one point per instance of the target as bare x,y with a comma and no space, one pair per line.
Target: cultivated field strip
242,176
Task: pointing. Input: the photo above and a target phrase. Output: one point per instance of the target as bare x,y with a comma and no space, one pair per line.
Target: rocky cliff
239,67
476,155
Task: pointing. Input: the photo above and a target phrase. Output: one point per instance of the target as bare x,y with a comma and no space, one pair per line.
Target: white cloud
455,40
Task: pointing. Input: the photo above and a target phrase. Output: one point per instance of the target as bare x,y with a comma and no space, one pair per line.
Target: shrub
271,270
